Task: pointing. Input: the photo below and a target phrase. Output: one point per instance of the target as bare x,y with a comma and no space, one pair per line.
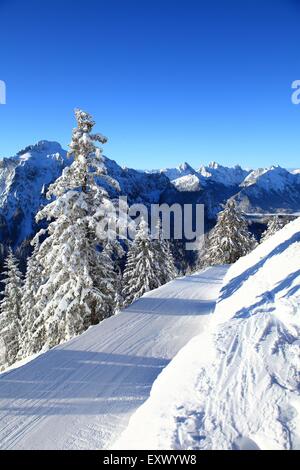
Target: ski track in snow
80,395
236,385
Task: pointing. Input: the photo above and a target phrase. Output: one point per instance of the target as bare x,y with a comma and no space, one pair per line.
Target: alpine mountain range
259,193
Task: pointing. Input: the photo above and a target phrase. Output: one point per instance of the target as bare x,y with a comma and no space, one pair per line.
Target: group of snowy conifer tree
72,281
228,240
275,223
149,264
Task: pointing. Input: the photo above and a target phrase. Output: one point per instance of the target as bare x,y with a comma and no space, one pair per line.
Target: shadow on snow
79,382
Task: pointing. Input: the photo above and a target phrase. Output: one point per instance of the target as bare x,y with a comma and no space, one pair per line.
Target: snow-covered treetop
275,224
142,230
82,143
229,239
88,161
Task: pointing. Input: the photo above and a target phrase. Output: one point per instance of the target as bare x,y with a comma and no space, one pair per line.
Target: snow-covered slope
235,386
81,394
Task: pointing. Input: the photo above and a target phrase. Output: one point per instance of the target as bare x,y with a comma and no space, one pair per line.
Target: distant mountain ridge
264,190
212,172
274,176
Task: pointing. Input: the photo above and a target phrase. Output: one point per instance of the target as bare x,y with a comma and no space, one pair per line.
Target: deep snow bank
236,385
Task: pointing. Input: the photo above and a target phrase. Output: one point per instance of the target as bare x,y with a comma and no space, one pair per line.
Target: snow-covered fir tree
229,239
182,259
78,279
10,308
29,312
167,270
142,266
149,264
114,251
275,223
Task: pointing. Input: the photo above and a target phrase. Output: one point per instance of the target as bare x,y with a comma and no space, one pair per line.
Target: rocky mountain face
270,190
24,180
222,175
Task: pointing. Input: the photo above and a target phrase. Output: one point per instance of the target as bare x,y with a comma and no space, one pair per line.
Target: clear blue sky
166,80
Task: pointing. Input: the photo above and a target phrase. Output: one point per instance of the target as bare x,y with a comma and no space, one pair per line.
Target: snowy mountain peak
43,146
273,177
213,165
186,167
228,176
187,183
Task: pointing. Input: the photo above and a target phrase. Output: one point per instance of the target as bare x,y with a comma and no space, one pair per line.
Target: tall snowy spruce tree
275,223
10,308
29,312
78,282
149,265
115,253
167,267
229,239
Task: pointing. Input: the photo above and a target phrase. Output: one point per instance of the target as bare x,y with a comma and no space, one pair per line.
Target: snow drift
236,385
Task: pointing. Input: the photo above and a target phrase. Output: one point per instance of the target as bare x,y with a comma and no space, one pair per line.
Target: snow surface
236,385
80,395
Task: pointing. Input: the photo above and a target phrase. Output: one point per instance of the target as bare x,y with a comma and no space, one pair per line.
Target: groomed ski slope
81,395
236,385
